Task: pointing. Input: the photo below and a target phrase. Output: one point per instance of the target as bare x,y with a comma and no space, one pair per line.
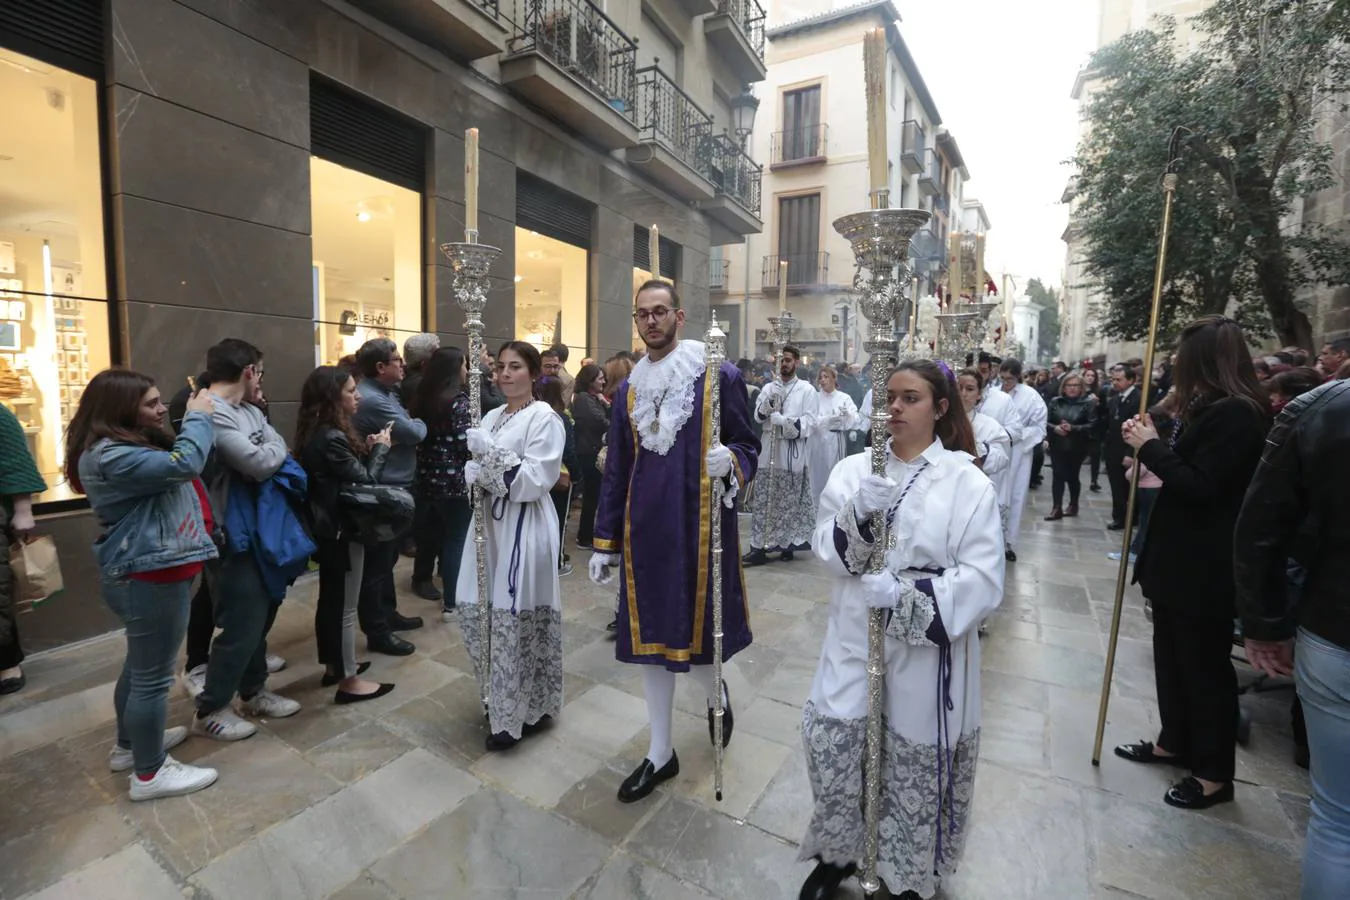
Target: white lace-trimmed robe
526,676
992,444
1026,427
834,417
948,522
787,482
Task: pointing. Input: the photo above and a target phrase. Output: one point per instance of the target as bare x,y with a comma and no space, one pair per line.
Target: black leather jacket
329,462
1296,509
1081,415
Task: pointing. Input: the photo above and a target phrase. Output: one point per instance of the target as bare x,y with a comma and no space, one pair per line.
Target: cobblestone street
397,797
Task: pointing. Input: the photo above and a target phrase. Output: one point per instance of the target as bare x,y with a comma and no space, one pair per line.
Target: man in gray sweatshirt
247,449
381,374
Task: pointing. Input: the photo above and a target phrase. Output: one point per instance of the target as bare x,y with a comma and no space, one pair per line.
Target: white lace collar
663,395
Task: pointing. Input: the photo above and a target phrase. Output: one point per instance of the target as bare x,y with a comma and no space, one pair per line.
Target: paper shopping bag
37,570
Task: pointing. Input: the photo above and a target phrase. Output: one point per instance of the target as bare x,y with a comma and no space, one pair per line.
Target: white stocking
704,676
659,685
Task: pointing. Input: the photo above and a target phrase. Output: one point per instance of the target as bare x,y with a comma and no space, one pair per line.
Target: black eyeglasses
660,314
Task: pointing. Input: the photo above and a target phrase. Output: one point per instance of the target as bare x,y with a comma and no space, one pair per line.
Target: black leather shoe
1302,757
329,679
529,729
756,557
824,880
404,623
645,778
1010,556
728,720
1115,526
344,697
801,547
1142,752
13,685
426,590
500,741
1095,488
390,645
786,556
1188,793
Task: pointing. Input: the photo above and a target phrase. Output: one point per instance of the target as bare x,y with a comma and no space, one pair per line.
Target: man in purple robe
654,522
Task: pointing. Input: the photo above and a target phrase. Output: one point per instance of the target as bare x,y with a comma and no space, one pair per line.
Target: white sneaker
194,682
174,779
223,725
1114,556
275,663
447,616
120,760
269,705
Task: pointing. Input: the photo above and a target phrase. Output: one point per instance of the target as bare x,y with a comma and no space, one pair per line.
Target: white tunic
522,565
834,417
798,407
948,523
992,444
1026,427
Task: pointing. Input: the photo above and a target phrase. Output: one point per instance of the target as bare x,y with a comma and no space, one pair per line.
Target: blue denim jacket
144,499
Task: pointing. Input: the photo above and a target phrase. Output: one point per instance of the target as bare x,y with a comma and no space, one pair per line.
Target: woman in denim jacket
157,530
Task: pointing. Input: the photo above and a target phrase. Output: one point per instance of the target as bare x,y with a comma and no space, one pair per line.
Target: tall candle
782,286
954,269
981,285
654,251
913,311
874,76
471,184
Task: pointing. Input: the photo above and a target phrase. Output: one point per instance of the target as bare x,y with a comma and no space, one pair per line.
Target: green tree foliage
1250,95
1048,328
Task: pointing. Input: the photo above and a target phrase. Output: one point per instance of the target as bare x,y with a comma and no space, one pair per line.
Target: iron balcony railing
940,203
719,271
804,269
668,116
926,246
735,174
750,16
912,139
799,144
583,41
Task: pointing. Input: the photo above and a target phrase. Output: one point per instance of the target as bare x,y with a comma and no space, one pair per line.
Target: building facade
178,171
811,132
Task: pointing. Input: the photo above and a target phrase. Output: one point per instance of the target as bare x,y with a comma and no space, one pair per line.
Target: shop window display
551,293
54,315
367,276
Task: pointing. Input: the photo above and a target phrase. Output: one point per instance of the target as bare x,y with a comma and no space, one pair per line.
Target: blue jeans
1322,670
155,617
244,614
456,514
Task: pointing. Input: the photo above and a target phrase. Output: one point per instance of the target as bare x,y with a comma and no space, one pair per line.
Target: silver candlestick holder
956,326
470,262
880,239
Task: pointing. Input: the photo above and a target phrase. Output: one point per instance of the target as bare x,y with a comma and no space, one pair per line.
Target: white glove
479,441
471,470
773,390
881,590
719,461
600,565
874,496
778,420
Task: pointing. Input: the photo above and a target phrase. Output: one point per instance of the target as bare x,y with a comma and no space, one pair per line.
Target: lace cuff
791,429
731,490
498,468
853,540
915,619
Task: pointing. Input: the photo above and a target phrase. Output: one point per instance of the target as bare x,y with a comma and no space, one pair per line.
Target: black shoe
1095,488
824,880
343,697
786,556
1188,793
1142,752
13,685
500,741
390,645
1302,758
426,590
728,720
613,626
801,547
328,679
404,623
645,778
756,557
1115,526
529,729
1010,556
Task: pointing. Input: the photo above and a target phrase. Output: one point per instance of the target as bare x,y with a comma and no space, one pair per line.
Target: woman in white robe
834,417
993,444
942,576
517,459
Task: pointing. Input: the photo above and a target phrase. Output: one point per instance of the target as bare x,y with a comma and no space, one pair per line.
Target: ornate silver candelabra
880,240
716,353
470,261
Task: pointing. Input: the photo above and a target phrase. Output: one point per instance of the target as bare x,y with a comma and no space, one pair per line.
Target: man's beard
667,338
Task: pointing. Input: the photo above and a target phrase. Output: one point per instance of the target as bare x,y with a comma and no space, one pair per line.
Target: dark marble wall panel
611,287
209,67
286,26
169,342
283,416
497,126
613,233
447,164
553,159
447,226
78,612
182,257
167,153
501,233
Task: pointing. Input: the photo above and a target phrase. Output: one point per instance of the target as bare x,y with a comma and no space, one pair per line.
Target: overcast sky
1000,73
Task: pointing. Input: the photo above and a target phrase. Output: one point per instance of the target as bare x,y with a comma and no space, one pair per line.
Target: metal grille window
352,131
65,33
549,210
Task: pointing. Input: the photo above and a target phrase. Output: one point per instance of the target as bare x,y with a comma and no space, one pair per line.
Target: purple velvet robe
656,511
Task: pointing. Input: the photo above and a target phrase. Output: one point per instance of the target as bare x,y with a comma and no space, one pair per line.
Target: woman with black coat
1185,567
1072,422
334,455
590,413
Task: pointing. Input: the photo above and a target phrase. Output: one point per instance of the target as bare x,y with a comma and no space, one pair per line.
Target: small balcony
675,139
719,274
737,181
930,176
912,149
569,58
806,271
696,8
463,29
736,33
803,146
926,246
941,204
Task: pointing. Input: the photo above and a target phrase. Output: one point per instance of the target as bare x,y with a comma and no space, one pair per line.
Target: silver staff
471,261
880,239
783,326
716,353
